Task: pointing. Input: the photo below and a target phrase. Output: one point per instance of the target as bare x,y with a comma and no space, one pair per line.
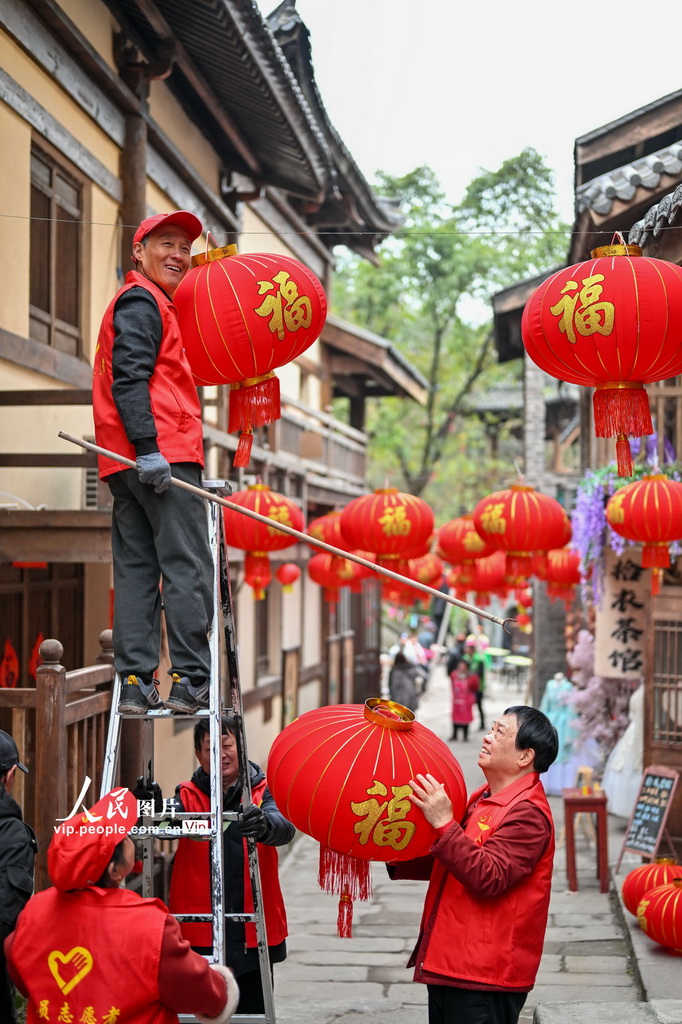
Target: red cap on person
184,218
83,845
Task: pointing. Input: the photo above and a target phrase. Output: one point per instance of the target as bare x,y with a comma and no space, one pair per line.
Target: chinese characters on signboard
619,625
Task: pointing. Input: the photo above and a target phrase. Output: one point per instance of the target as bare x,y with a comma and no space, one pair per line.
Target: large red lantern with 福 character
612,323
394,525
520,521
241,531
242,316
649,512
342,775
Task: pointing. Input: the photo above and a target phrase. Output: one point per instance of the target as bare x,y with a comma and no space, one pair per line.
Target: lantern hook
504,625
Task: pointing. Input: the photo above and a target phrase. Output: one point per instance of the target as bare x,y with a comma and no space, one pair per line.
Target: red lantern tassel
624,457
254,402
656,582
344,919
622,408
348,876
656,556
242,455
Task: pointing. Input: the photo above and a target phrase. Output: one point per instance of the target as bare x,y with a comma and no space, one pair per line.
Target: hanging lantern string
306,538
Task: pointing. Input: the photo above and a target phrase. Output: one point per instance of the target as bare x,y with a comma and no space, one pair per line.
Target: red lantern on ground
331,572
659,914
521,521
640,880
396,526
342,775
612,323
287,574
241,317
649,512
253,536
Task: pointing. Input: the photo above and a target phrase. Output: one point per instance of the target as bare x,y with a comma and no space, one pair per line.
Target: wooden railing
60,727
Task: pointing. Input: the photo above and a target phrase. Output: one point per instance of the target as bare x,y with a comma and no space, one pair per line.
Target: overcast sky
463,86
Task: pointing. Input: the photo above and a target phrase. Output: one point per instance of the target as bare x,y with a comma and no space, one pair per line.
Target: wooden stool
577,802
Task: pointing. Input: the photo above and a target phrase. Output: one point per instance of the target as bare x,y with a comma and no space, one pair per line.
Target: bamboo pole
306,538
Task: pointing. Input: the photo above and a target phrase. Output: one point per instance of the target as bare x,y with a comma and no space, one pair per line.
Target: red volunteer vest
190,882
492,941
174,399
91,957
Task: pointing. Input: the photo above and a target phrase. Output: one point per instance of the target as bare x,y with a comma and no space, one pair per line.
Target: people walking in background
464,687
18,848
476,661
405,682
490,878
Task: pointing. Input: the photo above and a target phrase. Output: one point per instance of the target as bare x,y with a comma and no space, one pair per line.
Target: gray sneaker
139,697
186,697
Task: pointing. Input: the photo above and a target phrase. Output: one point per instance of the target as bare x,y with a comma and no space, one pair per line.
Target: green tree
426,296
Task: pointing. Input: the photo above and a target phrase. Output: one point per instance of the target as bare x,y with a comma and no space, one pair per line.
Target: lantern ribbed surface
243,532
331,572
521,521
640,880
343,779
613,323
242,316
659,914
648,511
459,542
388,522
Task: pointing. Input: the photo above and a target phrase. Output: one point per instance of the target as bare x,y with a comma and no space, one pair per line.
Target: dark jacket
18,848
280,832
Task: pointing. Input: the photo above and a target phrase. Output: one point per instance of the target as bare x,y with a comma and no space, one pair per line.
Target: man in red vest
146,407
487,903
190,882
88,951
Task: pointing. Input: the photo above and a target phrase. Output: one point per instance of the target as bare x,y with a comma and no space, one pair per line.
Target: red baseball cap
184,218
83,845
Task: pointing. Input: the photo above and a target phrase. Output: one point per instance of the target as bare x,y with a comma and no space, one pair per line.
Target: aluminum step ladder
155,825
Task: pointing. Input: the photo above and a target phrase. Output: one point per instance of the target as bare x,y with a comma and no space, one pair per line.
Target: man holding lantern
146,407
487,903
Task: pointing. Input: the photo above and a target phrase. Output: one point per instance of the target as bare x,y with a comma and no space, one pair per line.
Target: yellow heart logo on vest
81,960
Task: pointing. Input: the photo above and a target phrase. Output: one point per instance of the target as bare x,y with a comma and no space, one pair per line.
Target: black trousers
161,537
467,1006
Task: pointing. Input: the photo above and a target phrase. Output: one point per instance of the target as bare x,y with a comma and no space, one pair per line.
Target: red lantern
659,914
251,535
563,574
612,323
257,574
287,574
330,572
521,521
241,317
649,512
396,526
460,543
490,578
342,775
640,880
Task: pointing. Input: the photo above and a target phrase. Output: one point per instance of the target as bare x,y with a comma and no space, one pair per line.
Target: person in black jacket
18,848
260,820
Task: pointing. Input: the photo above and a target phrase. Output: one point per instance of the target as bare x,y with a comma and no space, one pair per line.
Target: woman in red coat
465,686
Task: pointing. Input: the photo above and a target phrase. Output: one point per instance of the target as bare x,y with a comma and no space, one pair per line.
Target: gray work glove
153,469
252,822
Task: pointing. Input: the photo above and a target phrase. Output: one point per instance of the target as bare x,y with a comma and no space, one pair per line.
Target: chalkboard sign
647,824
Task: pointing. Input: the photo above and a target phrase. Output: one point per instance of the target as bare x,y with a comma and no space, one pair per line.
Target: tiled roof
622,183
657,217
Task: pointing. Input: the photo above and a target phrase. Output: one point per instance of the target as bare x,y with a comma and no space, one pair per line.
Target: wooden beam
50,396
30,460
34,355
55,536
